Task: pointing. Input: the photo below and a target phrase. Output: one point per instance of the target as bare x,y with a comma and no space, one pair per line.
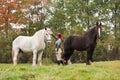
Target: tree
115,10
34,14
6,14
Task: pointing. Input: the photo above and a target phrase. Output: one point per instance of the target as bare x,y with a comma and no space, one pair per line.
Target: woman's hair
60,36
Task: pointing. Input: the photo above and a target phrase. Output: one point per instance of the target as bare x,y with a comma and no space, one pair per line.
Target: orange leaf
11,4
3,10
2,21
10,16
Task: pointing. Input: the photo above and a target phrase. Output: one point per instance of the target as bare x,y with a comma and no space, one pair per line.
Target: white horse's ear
45,28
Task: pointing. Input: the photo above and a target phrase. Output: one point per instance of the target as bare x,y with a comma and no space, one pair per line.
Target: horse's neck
91,34
39,35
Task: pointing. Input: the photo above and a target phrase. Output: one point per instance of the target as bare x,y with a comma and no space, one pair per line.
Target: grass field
109,70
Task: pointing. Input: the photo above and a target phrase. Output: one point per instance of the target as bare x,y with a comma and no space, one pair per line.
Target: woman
58,49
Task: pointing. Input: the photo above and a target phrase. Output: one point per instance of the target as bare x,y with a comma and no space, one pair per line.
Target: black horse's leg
88,58
66,56
89,55
70,53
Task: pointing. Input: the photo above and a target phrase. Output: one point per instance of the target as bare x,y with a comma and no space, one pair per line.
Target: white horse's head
48,33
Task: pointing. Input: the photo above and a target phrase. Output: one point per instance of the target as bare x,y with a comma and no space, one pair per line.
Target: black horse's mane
90,31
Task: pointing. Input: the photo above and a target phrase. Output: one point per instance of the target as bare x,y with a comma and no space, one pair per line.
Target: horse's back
68,41
75,42
21,38
71,38
21,41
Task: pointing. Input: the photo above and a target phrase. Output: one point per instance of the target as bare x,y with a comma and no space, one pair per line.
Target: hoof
33,64
69,62
14,64
89,63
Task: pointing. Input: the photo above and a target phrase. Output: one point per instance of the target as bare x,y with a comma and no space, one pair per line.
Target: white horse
35,44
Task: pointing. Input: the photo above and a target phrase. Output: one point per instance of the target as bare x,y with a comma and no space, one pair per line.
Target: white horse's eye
48,37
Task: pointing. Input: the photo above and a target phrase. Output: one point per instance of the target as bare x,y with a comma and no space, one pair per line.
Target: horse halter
48,35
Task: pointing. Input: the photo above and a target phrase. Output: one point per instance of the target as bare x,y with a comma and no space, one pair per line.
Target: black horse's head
98,29
64,61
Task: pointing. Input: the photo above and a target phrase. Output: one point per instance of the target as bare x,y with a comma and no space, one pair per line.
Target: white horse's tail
12,55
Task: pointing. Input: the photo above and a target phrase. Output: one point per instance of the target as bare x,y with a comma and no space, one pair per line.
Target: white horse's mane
39,32
42,31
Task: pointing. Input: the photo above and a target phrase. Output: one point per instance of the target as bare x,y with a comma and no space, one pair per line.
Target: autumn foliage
6,11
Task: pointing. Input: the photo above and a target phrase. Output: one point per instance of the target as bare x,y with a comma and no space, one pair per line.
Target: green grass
97,71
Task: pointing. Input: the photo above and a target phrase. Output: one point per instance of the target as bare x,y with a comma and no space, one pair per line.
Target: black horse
86,42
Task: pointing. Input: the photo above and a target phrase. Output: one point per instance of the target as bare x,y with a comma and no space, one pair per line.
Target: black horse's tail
67,43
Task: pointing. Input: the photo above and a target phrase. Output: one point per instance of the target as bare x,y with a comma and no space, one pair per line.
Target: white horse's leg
40,58
34,57
15,56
